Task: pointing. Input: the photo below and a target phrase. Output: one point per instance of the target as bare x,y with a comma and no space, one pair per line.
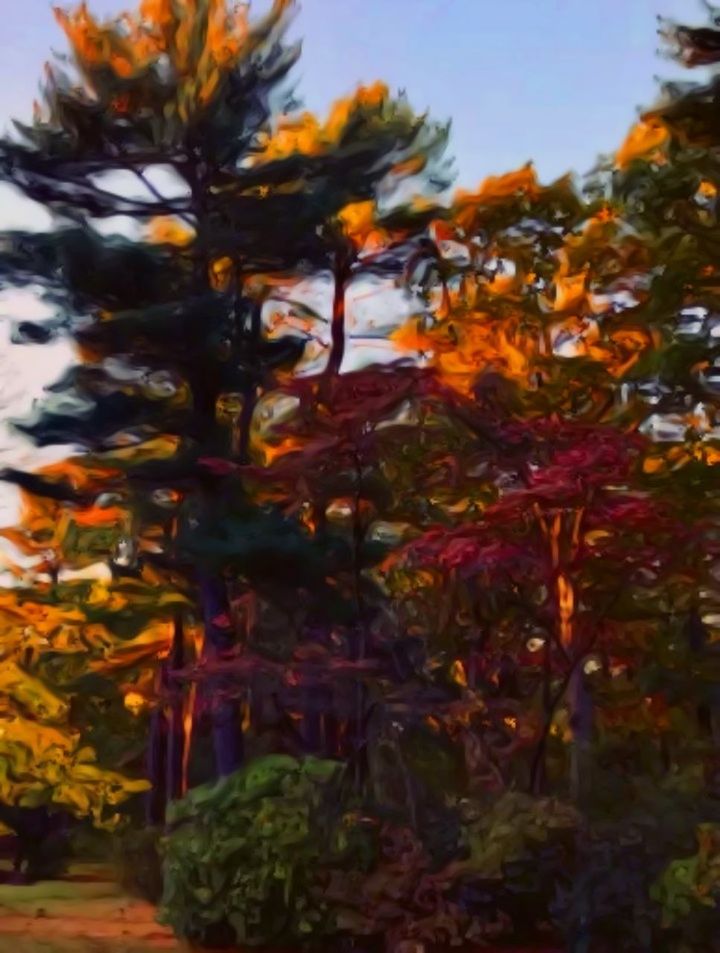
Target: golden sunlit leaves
368,98
494,190
643,140
358,223
566,606
202,41
457,673
135,703
46,764
269,453
569,291
31,693
221,273
305,135
157,448
169,230
100,516
153,642
462,349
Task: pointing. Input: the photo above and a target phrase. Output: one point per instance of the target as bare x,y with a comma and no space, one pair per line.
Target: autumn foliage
382,577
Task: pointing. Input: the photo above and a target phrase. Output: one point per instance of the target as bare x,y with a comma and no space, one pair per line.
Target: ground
83,913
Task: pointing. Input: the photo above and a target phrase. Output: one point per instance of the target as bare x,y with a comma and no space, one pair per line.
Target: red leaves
470,549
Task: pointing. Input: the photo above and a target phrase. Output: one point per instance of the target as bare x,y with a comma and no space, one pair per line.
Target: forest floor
85,912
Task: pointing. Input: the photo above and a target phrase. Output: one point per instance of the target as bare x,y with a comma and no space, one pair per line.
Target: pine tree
169,321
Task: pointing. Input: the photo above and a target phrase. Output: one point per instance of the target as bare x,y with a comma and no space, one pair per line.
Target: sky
554,81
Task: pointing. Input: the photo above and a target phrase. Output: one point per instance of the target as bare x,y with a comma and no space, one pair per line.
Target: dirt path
84,913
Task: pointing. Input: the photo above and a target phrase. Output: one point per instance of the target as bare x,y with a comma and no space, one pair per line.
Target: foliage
422,648
243,854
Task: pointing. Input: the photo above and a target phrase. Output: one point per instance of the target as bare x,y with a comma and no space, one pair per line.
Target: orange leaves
495,190
566,608
569,291
270,453
464,348
79,476
201,40
410,337
169,230
457,673
295,134
368,98
100,516
358,219
643,140
158,12
305,135
358,223
221,273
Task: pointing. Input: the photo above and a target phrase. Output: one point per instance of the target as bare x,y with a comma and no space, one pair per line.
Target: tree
173,332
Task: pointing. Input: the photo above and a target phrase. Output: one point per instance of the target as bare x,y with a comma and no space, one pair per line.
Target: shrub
244,856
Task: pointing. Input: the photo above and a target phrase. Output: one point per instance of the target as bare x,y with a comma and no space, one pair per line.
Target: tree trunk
225,709
156,761
581,723
175,733
250,391
341,273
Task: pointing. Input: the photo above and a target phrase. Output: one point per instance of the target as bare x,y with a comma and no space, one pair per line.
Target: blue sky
556,81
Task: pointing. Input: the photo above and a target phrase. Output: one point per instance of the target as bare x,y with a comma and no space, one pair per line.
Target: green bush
688,891
244,857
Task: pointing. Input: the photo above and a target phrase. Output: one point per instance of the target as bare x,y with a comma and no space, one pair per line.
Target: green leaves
245,854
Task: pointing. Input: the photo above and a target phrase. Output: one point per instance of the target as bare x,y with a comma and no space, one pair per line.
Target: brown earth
83,913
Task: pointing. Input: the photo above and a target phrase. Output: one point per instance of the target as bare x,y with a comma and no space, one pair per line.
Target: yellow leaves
358,219
676,457
169,230
41,618
457,673
38,741
153,642
642,141
157,448
295,134
101,595
30,693
594,536
221,273
135,703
